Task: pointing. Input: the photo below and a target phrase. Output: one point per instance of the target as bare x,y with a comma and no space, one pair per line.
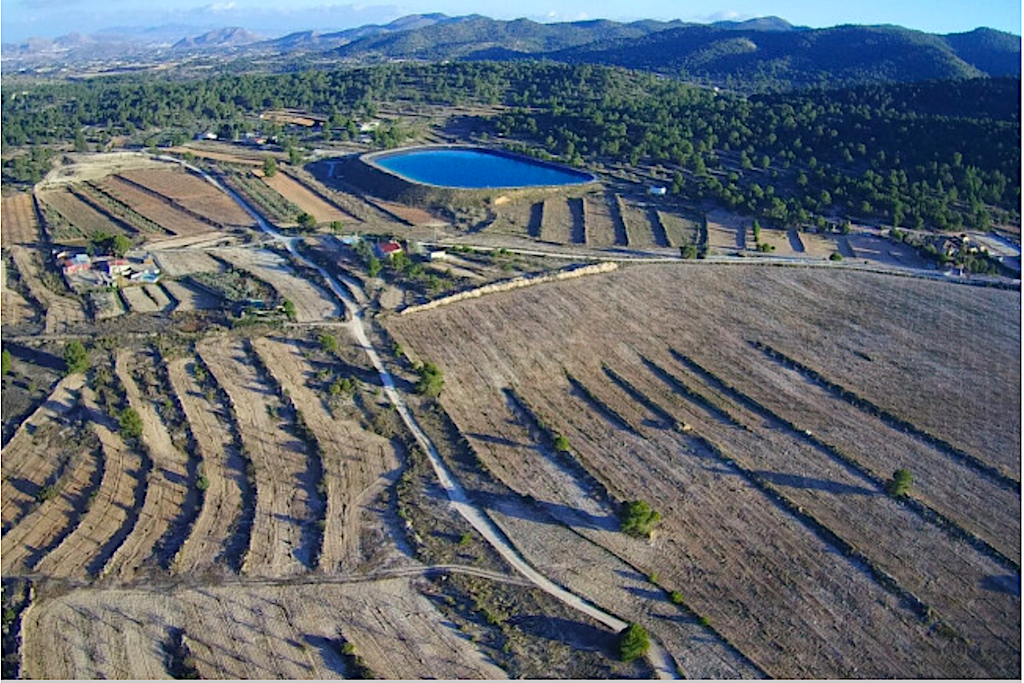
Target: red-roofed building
389,249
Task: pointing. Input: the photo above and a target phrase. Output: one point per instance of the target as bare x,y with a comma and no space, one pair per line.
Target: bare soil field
111,516
290,632
138,301
782,547
159,295
96,166
603,227
220,532
14,308
518,219
18,217
881,250
190,297
412,215
83,217
42,528
353,459
727,232
301,196
28,461
284,538
163,214
194,193
642,230
679,229
217,156
177,263
312,303
168,504
61,311
557,225
105,305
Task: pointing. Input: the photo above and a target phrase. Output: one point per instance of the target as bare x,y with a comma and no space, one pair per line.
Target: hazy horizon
273,18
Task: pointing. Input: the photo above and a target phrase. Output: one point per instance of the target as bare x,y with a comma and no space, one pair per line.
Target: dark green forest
939,155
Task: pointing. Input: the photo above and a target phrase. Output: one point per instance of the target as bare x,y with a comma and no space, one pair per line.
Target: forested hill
750,60
766,54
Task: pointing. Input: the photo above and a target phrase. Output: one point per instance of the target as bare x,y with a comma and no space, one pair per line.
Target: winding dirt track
663,663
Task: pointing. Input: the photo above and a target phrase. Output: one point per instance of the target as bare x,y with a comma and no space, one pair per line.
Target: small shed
656,190
389,249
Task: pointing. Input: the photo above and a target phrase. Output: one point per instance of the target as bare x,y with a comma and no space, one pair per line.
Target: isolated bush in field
637,518
6,359
76,358
688,251
633,642
676,597
202,483
836,256
269,167
900,483
431,382
130,423
561,443
289,309
306,221
328,342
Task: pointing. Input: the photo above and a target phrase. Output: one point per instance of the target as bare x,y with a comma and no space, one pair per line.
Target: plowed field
19,220
795,555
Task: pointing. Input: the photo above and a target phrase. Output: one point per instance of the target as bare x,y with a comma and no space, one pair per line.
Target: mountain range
766,53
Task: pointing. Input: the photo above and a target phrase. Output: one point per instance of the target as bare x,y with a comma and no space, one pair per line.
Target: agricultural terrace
193,194
18,216
779,531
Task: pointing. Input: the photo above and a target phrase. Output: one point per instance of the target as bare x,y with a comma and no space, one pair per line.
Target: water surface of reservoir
477,168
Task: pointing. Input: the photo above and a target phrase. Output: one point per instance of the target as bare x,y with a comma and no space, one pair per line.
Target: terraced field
784,540
161,213
285,539
79,219
61,311
193,193
18,216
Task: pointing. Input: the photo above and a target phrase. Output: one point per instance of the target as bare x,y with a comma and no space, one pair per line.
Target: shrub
676,597
269,167
633,642
637,518
5,358
45,493
836,256
130,423
202,483
328,342
688,251
306,221
76,358
373,266
561,443
900,483
431,382
289,309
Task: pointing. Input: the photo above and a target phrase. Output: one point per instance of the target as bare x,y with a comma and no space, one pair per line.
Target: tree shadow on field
330,653
1006,583
499,440
800,482
543,512
575,634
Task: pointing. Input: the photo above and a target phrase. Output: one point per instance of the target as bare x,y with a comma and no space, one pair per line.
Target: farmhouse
77,264
389,249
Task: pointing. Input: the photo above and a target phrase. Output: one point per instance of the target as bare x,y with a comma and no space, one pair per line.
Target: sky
21,19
